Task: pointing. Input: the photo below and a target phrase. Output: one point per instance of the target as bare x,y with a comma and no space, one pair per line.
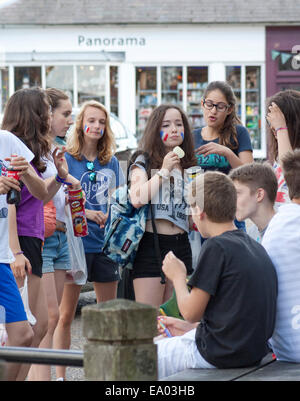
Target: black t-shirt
240,316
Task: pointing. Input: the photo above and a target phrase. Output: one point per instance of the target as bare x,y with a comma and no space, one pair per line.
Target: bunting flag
283,55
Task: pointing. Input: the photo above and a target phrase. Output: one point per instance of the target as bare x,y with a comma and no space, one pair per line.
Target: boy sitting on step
230,311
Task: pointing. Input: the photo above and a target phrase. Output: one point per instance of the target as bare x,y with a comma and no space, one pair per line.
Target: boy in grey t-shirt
256,186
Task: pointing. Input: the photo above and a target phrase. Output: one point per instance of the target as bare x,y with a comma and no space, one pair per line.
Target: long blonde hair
106,146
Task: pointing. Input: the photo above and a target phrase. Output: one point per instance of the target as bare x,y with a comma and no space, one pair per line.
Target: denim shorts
56,253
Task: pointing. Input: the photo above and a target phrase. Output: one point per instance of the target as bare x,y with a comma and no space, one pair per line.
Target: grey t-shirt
169,202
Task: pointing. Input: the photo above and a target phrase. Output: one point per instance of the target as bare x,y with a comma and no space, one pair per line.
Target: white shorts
179,353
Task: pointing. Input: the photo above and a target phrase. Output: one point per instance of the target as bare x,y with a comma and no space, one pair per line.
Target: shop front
132,69
282,58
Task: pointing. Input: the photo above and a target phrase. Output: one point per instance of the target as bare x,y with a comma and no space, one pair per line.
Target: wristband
61,180
280,128
18,253
160,173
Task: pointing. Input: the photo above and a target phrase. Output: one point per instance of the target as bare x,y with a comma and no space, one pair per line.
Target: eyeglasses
92,174
209,105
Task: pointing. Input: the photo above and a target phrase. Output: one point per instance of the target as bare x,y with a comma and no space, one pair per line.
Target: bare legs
150,291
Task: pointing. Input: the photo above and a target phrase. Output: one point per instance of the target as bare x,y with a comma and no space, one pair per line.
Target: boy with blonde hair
256,187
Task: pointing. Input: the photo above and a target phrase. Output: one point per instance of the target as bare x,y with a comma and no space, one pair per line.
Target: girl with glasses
223,143
90,156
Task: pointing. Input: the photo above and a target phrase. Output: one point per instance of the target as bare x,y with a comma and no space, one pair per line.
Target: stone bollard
2,370
120,341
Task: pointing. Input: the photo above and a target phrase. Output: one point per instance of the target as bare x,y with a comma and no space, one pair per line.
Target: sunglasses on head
92,174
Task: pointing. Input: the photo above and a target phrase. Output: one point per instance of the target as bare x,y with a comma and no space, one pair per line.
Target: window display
114,90
233,77
197,80
27,77
248,94
253,114
4,87
61,77
91,82
171,85
146,95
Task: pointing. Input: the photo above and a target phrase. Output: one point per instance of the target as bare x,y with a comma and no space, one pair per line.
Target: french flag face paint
163,136
182,135
86,129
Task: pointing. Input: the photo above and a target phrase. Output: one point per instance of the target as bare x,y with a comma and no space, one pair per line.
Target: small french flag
163,135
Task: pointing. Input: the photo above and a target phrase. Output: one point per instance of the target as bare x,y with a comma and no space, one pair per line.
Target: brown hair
291,172
27,116
289,103
257,175
228,134
152,144
55,96
215,194
106,146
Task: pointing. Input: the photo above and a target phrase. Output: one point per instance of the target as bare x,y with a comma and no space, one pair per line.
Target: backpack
126,226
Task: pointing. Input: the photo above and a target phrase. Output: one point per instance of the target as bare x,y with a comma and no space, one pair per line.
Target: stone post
119,344
2,370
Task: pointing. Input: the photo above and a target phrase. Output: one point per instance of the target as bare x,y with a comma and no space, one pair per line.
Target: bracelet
61,180
18,253
280,128
160,173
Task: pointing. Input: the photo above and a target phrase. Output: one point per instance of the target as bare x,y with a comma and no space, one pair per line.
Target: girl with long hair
28,116
166,128
55,253
223,143
90,157
283,117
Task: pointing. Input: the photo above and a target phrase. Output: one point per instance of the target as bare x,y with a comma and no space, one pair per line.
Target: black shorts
101,269
146,263
32,248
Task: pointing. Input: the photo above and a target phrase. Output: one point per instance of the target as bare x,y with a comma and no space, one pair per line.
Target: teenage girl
223,143
28,116
91,160
283,111
166,128
55,250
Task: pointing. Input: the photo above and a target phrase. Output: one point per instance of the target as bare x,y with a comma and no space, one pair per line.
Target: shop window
233,77
91,81
146,95
4,88
197,80
248,94
253,109
114,90
61,77
171,85
27,77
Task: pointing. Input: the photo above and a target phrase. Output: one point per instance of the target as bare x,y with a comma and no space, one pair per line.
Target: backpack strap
156,245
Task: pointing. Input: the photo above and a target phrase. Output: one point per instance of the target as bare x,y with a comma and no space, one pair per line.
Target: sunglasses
92,173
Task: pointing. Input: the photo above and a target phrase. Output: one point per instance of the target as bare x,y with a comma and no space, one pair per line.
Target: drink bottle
13,196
